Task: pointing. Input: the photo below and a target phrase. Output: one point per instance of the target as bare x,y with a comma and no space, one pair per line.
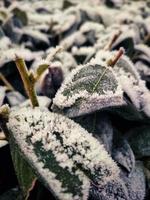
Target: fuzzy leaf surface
65,157
88,88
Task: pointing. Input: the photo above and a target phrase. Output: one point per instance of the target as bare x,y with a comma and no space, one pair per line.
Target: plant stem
113,61
27,81
43,67
52,55
112,41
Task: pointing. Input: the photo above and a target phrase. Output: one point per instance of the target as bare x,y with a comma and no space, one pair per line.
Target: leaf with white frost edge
88,88
129,79
64,156
135,183
111,191
132,85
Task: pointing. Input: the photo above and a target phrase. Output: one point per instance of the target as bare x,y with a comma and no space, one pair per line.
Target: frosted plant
57,147
133,86
88,88
94,154
129,79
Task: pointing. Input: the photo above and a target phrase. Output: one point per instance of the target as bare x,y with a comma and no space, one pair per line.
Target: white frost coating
63,101
4,43
126,64
78,147
34,33
131,83
129,79
82,50
75,37
143,49
9,54
88,26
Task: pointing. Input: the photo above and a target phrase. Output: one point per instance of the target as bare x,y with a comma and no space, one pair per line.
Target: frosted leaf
143,69
114,190
83,51
99,124
128,112
106,15
4,43
135,183
9,54
123,154
88,88
67,60
90,13
105,131
36,18
126,40
92,26
142,49
35,34
67,22
15,98
57,147
76,38
132,85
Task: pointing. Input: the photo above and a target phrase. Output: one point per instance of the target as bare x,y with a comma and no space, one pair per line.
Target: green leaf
65,157
132,85
41,68
128,112
88,88
24,172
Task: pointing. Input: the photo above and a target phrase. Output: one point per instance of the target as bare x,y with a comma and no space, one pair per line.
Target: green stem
27,81
112,40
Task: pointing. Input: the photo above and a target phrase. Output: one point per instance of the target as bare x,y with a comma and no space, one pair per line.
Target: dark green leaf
88,88
65,157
